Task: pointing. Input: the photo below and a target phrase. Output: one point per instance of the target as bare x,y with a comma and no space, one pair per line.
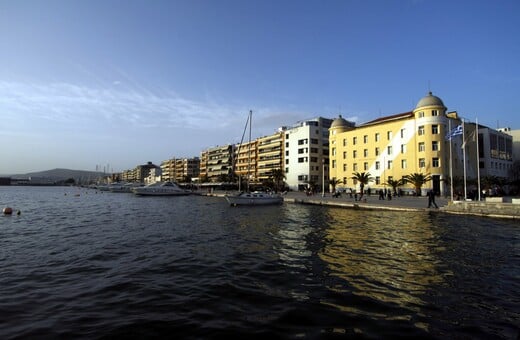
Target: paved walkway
368,202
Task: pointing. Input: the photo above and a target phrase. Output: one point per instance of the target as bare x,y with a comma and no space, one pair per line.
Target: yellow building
392,147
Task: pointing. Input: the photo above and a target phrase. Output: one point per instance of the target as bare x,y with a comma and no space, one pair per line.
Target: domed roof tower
429,100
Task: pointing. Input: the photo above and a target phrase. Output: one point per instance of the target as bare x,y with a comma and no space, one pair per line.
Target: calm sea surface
77,263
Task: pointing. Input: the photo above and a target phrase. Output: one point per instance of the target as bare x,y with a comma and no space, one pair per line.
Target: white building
307,154
516,141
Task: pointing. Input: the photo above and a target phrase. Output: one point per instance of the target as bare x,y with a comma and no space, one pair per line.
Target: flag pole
478,158
451,162
464,157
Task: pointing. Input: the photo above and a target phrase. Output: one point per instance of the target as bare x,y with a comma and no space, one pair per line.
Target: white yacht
161,189
254,198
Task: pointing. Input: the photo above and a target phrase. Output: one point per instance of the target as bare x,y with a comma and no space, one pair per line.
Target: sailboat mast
249,151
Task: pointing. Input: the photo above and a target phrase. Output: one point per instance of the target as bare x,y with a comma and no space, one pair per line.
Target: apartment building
180,169
270,155
216,162
306,154
245,161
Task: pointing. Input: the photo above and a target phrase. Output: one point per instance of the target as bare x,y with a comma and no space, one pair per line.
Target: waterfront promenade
372,202
405,203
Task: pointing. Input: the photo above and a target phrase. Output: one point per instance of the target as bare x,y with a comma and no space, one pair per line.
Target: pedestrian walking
431,199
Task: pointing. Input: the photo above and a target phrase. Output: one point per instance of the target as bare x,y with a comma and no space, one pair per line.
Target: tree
363,178
333,182
277,176
395,184
417,180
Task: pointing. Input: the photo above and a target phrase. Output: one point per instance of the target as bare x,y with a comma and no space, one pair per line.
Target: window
403,148
435,113
389,135
435,162
435,146
354,154
344,167
365,166
389,149
302,141
314,159
420,131
402,133
422,163
421,147
334,164
435,129
377,151
287,153
344,142
286,161
302,150
389,165
377,137
302,160
314,150
354,167
354,140
333,151
344,155
377,165
314,141
403,163
421,114
365,139
345,180
378,180
365,153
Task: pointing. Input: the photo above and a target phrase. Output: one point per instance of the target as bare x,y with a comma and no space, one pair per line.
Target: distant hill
63,174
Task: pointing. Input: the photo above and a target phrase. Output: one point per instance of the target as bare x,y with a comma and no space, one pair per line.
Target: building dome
429,100
340,122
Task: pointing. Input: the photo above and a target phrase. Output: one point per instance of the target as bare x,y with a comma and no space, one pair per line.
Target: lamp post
323,178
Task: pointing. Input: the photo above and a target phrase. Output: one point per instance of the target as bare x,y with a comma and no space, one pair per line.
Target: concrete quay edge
406,203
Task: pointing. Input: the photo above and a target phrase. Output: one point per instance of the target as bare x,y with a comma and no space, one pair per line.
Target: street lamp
323,178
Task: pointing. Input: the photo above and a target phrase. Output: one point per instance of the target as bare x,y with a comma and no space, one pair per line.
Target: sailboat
255,197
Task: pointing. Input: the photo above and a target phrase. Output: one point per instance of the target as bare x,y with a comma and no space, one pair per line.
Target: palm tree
277,176
363,178
395,184
417,180
333,182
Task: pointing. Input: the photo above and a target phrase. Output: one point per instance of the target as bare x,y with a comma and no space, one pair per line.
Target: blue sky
120,83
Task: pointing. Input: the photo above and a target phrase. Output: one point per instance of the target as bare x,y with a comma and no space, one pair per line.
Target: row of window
377,137
389,150
435,163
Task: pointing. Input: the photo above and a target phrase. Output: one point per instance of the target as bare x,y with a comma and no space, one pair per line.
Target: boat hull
254,199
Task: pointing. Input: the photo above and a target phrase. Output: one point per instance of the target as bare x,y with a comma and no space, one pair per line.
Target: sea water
81,263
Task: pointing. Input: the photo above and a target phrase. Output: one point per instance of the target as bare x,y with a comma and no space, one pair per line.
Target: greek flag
454,132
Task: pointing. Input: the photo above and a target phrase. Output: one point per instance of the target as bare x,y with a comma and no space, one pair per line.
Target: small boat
123,187
254,198
161,189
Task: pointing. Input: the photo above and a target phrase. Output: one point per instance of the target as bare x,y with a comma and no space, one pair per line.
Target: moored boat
254,198
161,189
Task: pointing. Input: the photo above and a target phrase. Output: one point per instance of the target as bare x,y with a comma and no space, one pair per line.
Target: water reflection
387,257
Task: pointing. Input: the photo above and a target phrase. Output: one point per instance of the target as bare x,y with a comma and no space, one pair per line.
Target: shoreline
405,203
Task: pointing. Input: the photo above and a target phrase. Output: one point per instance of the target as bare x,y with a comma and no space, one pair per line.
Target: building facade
392,147
245,161
306,154
216,163
180,169
270,155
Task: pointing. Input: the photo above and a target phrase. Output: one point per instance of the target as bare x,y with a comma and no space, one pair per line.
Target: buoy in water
7,211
